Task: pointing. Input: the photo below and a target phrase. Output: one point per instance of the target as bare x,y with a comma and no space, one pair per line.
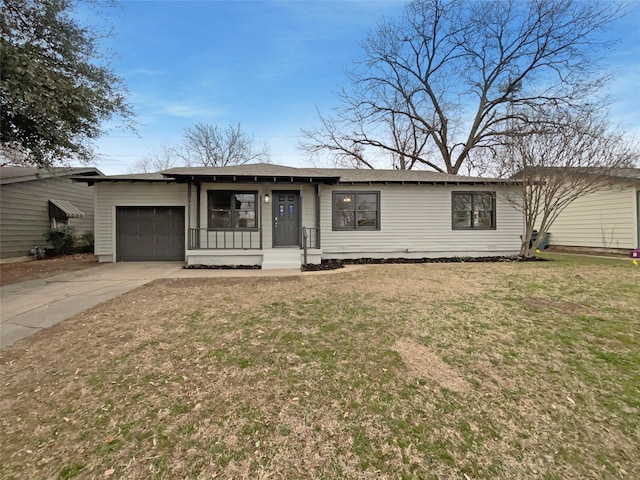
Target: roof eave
90,181
275,179
430,182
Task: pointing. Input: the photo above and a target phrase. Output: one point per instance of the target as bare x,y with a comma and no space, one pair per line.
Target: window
57,222
474,210
232,209
356,210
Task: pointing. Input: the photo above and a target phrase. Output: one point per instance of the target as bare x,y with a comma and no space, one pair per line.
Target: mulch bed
332,264
222,267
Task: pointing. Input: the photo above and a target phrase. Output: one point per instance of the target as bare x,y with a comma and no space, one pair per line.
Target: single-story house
272,216
607,219
32,200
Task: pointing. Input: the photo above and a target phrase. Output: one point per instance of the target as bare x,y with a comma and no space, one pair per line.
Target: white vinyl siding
112,195
606,219
415,221
308,198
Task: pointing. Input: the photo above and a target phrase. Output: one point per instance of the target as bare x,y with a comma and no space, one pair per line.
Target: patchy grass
11,273
494,371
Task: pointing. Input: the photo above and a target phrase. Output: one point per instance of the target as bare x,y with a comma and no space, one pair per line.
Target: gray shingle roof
344,175
252,169
627,173
397,176
633,173
266,172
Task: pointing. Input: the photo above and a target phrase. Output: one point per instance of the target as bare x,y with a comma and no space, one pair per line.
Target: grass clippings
436,371
423,364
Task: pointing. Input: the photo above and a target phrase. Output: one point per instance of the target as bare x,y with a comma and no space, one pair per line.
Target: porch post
189,215
198,233
300,225
317,215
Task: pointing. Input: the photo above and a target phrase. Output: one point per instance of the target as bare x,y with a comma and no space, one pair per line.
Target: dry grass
11,273
496,371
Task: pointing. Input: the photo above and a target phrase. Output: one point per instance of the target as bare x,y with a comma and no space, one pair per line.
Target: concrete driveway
33,305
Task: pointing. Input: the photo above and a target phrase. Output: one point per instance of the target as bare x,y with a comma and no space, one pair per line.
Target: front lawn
462,371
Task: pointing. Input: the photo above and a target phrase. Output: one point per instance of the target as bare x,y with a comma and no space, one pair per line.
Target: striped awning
63,209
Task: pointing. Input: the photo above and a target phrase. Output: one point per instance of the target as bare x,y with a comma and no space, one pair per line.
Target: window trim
336,228
473,194
234,192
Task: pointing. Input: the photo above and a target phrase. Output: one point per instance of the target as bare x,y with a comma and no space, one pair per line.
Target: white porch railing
310,239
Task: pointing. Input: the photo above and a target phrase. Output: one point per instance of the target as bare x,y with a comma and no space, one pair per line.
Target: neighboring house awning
63,209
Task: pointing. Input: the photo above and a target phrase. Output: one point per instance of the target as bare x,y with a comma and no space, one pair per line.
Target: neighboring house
265,214
606,219
32,200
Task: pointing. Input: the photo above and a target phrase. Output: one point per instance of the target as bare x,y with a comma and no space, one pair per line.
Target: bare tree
208,145
452,76
161,157
408,143
204,145
557,167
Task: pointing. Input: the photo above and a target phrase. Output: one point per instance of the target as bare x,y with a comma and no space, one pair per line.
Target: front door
286,218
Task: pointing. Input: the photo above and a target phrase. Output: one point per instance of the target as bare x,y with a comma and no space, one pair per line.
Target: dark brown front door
286,219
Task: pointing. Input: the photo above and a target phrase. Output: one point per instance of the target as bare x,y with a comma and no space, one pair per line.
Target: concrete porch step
281,258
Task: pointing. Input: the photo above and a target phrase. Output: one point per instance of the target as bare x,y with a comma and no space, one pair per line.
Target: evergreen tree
56,88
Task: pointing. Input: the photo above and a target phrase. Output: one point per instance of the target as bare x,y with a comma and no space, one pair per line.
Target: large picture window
356,210
232,209
473,210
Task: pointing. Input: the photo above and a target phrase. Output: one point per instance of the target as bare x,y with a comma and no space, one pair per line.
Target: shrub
85,245
62,240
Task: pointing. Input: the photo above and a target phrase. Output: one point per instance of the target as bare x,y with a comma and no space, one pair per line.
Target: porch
235,239
233,248
269,220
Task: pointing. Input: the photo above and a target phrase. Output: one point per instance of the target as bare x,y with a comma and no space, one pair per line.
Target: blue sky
265,64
